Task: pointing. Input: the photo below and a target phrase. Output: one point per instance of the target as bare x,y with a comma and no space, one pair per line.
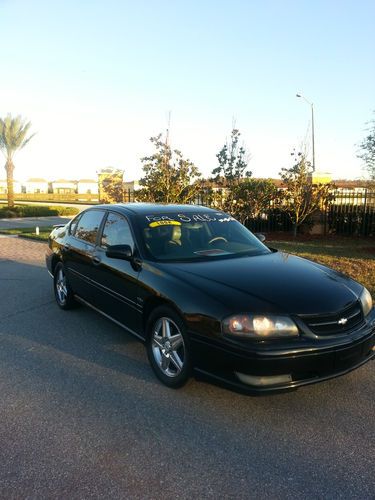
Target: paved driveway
82,416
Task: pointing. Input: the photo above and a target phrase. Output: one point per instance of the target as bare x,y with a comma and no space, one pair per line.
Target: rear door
79,249
116,280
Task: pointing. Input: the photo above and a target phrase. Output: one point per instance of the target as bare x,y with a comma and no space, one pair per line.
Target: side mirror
123,252
260,237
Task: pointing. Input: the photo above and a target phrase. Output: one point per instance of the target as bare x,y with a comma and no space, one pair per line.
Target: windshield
197,236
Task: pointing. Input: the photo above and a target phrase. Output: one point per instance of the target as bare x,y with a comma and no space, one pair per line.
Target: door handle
96,260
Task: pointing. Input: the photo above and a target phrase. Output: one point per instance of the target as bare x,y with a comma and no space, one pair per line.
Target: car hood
275,282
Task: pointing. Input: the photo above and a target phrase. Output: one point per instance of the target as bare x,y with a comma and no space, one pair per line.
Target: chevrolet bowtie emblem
342,321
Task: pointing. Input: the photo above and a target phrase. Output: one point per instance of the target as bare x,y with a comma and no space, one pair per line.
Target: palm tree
13,132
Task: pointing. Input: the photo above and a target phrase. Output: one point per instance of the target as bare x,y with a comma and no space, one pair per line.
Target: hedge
36,211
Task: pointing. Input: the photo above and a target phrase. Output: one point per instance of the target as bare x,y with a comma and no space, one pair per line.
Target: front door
115,281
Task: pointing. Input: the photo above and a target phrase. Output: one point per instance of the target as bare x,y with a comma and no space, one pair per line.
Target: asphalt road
19,223
82,416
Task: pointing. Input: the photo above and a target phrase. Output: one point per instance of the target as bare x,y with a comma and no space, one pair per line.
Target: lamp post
312,129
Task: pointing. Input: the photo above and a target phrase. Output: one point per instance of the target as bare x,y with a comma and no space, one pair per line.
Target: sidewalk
21,250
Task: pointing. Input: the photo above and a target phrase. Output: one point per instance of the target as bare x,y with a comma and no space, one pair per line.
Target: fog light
263,381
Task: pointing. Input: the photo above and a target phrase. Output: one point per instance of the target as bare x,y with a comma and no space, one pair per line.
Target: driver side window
116,232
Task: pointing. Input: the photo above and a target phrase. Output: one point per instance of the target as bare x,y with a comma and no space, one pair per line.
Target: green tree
301,198
233,161
13,137
252,197
168,176
367,150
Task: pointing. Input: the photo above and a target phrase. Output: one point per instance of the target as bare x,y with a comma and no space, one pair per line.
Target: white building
63,186
87,186
17,188
35,185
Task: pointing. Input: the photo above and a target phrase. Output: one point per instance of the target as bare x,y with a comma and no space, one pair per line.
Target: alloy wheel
61,287
168,347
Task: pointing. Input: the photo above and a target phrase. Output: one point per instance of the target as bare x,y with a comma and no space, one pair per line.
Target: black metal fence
272,221
349,212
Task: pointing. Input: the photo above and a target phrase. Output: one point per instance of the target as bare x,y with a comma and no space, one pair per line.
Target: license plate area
348,357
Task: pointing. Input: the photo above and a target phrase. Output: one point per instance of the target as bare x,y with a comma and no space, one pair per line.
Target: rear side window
88,226
73,224
116,231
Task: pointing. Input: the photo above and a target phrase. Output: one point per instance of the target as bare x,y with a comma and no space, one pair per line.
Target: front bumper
230,365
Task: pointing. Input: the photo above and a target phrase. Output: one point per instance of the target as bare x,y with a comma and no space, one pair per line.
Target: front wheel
63,293
168,347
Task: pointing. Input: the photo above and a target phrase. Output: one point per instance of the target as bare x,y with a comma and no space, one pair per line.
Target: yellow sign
321,178
165,223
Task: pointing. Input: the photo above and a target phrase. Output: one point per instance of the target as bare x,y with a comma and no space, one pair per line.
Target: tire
63,293
168,347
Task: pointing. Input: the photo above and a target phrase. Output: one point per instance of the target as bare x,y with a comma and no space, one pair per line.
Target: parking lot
82,416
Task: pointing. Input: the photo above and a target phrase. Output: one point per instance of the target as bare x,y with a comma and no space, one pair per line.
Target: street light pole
312,129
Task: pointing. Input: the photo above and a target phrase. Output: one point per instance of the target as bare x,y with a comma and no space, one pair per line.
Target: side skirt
77,297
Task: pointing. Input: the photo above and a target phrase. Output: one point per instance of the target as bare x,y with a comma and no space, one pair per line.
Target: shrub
36,211
66,210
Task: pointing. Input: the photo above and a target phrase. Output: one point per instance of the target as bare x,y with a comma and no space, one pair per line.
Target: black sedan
207,297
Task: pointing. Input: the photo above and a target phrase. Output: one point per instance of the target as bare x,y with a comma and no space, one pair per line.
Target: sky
98,78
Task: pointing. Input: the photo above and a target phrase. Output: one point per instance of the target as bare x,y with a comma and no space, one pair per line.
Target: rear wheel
63,293
168,347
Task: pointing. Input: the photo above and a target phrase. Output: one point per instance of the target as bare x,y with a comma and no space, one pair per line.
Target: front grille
332,324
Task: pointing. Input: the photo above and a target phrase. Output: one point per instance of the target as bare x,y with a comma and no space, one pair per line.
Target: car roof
151,208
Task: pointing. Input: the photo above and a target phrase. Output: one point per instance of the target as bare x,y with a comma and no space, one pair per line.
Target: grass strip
29,232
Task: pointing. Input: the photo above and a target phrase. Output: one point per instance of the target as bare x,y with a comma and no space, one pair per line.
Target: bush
66,210
36,211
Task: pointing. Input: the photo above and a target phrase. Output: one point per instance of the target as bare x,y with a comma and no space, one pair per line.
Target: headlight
366,301
257,326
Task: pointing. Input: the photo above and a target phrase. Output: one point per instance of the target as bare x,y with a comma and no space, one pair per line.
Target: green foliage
7,212
13,137
301,197
168,176
252,197
62,211
233,161
367,150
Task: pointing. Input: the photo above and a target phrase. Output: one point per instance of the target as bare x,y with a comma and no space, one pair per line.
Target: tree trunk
9,167
295,227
